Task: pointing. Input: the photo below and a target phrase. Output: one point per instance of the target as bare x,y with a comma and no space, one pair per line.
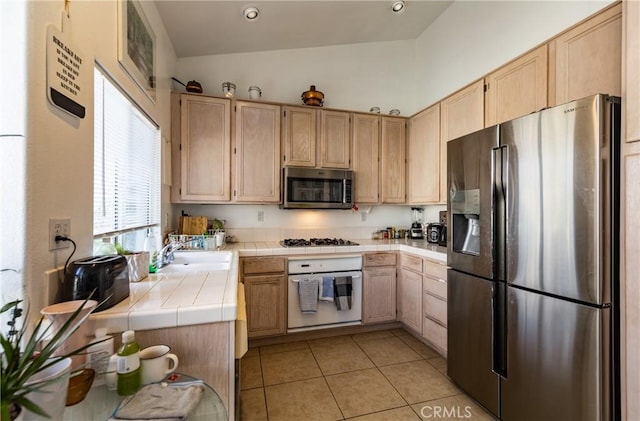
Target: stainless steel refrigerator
533,318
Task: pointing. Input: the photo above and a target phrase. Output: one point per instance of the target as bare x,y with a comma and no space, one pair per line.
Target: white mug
219,239
157,363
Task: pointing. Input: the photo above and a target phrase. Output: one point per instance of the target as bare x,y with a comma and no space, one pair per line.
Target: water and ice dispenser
465,219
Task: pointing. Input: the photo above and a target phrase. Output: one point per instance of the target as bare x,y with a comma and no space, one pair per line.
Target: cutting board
193,225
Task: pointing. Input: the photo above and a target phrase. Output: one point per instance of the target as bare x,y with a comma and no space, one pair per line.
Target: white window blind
126,163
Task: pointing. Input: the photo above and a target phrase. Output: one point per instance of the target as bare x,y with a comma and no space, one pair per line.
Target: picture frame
137,46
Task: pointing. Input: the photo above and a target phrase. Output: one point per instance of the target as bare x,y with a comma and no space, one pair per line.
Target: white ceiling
209,27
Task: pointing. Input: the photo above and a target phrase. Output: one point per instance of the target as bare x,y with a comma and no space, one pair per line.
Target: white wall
13,210
353,77
277,224
472,38
60,147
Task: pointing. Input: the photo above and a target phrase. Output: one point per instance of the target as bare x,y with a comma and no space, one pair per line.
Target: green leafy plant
121,250
217,224
25,354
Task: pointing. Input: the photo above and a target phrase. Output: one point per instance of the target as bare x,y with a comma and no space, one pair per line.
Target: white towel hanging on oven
308,293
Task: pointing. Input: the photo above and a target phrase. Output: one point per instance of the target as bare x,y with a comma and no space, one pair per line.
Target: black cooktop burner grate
314,242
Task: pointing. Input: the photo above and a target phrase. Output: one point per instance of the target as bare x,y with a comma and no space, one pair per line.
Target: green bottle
128,366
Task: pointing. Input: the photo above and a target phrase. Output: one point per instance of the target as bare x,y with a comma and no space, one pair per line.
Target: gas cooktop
312,242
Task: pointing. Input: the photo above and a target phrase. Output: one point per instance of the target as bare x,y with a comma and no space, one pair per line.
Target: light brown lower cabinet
265,286
379,288
434,305
410,299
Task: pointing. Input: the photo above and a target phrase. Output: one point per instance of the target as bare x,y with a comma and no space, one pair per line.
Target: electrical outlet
59,227
363,216
260,216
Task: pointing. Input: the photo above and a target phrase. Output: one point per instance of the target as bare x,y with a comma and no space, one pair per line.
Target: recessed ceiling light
251,13
398,6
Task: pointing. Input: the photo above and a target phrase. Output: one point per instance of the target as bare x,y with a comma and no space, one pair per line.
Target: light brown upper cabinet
365,130
392,159
587,59
299,138
423,157
203,139
257,152
316,138
335,135
517,89
461,113
631,101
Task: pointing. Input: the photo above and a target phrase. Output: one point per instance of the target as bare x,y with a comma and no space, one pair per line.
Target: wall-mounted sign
66,68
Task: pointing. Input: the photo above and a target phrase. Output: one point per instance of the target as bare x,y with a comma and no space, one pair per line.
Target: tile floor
375,376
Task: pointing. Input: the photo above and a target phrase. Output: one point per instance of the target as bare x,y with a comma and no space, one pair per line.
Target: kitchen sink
198,261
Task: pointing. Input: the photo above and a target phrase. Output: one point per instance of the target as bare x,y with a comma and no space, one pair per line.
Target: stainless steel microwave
317,188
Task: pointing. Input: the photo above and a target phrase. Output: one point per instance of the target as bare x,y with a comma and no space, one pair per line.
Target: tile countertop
196,297
175,299
273,248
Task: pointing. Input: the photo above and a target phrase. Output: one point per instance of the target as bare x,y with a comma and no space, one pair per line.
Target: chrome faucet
165,256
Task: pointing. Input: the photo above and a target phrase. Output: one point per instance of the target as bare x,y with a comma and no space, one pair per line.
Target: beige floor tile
453,408
423,350
368,336
307,400
399,331
332,341
439,364
289,366
250,373
288,346
363,392
404,413
387,351
418,381
252,352
252,405
340,358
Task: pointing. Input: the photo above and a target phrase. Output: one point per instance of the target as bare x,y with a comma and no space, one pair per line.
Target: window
126,185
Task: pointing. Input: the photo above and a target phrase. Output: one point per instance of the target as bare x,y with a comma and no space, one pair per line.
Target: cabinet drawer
435,308
434,333
255,265
435,287
380,259
435,270
411,262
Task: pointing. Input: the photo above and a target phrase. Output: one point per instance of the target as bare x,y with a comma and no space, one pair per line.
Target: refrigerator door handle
499,163
499,328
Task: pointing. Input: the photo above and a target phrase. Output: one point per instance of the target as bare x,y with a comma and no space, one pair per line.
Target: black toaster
106,276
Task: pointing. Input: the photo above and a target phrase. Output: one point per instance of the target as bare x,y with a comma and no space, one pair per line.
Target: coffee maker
416,226
443,231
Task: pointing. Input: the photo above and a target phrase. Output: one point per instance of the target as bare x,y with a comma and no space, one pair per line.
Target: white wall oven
321,271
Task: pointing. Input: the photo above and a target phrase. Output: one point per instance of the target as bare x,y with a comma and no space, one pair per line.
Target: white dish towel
308,293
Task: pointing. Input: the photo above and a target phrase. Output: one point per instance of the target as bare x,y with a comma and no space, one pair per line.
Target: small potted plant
26,355
137,263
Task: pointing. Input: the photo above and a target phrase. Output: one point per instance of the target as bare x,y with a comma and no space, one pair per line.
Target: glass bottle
128,367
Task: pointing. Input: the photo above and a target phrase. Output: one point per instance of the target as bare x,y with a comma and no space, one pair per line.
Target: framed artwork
137,46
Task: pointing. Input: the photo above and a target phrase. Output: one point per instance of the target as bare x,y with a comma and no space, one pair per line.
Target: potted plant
137,263
26,355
